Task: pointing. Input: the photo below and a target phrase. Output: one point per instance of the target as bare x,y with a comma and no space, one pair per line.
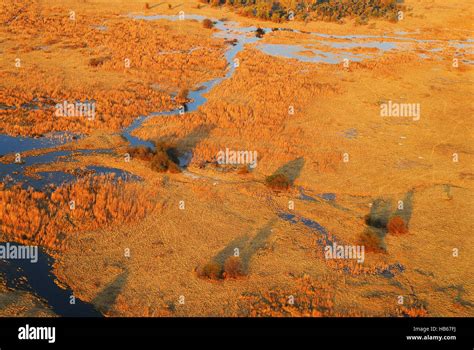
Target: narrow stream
323,240
39,277
231,30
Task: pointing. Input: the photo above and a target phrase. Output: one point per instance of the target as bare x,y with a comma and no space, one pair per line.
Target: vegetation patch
278,182
231,269
159,158
314,10
397,226
207,23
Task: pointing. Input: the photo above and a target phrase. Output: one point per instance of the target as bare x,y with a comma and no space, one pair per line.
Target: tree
233,267
207,23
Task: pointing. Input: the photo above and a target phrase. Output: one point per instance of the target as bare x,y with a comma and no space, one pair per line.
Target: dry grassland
337,114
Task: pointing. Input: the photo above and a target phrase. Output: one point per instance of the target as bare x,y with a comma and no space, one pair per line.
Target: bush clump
233,267
182,96
278,182
244,170
141,152
98,61
211,270
159,158
207,23
161,161
397,226
259,33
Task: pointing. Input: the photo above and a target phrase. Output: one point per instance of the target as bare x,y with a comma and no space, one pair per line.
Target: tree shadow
291,170
240,243
181,151
380,213
191,140
247,246
156,5
407,210
105,300
257,243
373,239
382,210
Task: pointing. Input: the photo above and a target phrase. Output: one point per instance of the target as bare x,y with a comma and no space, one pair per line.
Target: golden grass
74,61
224,210
30,216
18,303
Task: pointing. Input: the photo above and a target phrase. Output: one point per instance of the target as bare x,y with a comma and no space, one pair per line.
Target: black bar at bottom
434,332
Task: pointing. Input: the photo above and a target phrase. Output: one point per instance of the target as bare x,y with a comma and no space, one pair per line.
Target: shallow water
39,275
324,240
227,30
12,173
40,280
230,30
11,144
318,56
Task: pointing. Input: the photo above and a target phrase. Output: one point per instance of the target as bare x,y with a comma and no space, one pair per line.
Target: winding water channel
39,276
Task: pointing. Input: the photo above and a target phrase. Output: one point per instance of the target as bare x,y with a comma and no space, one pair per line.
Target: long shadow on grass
181,151
381,212
407,210
156,5
291,170
247,246
105,300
